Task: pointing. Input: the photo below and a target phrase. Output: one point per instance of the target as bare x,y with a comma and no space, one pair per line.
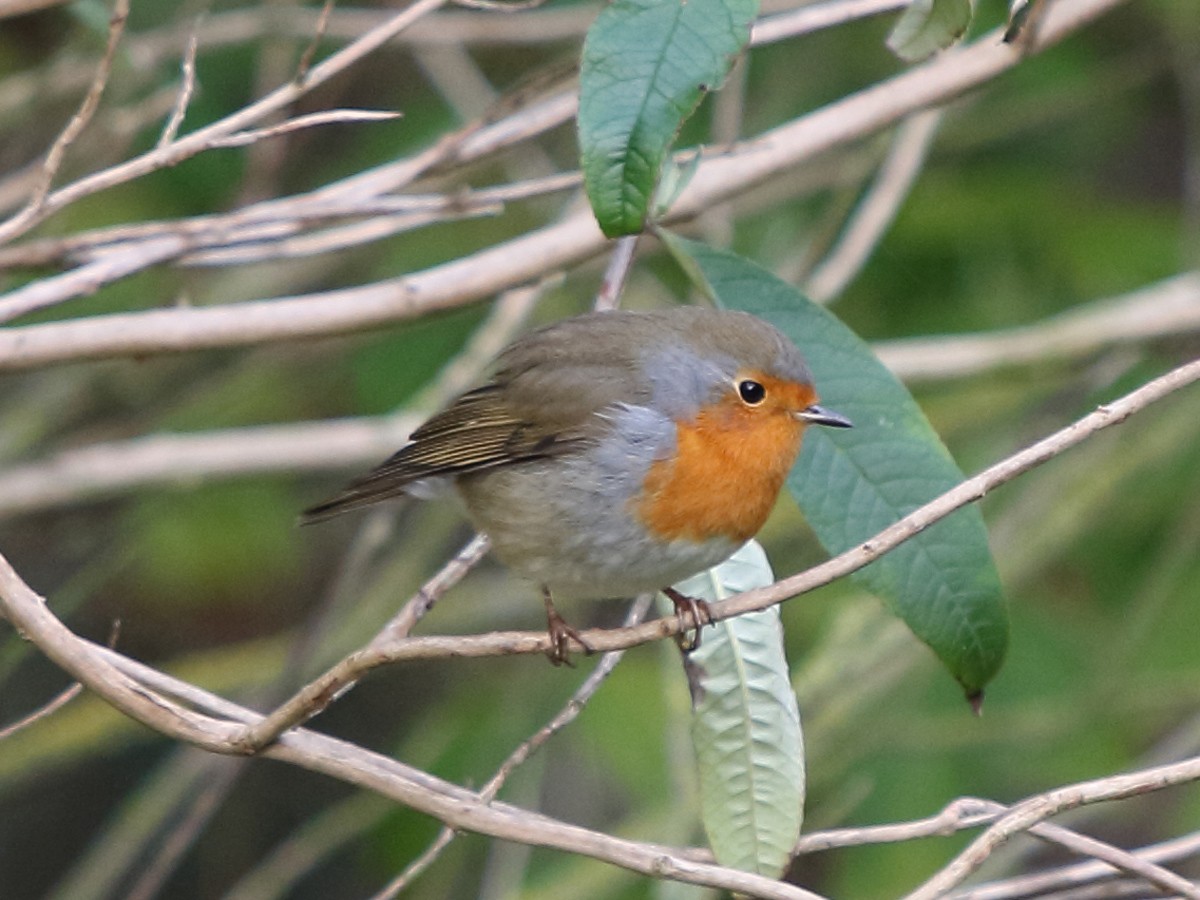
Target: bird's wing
550,395
480,430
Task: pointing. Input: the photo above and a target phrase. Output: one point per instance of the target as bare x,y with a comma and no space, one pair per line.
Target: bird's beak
818,415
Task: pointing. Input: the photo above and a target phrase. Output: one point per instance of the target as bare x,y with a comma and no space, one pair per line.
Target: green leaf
745,724
928,26
646,65
852,483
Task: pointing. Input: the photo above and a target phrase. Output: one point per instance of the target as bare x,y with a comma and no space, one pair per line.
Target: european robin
616,452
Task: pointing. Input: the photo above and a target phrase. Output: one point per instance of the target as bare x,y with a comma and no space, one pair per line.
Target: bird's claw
561,635
693,608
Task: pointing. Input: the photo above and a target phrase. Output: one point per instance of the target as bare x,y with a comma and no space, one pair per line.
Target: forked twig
187,87
81,119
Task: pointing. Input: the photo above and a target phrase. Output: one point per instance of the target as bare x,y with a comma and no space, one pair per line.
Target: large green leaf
646,65
851,483
928,26
745,724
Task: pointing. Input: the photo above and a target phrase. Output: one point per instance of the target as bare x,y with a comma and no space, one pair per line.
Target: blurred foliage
1062,183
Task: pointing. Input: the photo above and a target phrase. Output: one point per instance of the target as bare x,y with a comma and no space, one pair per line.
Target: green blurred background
1073,179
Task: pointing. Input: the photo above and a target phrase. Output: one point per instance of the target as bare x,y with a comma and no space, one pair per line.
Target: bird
616,452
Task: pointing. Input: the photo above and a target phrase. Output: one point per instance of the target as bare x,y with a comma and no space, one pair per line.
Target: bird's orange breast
723,480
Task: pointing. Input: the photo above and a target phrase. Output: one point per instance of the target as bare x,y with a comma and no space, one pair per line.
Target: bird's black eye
751,392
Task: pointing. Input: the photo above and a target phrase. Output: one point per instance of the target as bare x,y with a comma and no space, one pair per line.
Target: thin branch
1067,877
187,87
460,808
86,280
818,16
878,208
1165,880
81,119
261,222
103,469
394,175
500,5
325,117
1170,307
532,255
960,814
971,812
58,702
564,717
318,33
1029,813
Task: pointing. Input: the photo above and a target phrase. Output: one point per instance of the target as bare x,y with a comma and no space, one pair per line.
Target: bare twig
1169,307
91,101
1066,877
1153,874
1029,813
165,459
878,207
455,806
402,624
960,814
187,87
261,223
818,16
500,5
58,702
318,33
971,812
325,117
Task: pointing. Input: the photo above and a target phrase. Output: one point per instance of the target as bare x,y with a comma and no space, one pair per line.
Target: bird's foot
689,607
561,634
